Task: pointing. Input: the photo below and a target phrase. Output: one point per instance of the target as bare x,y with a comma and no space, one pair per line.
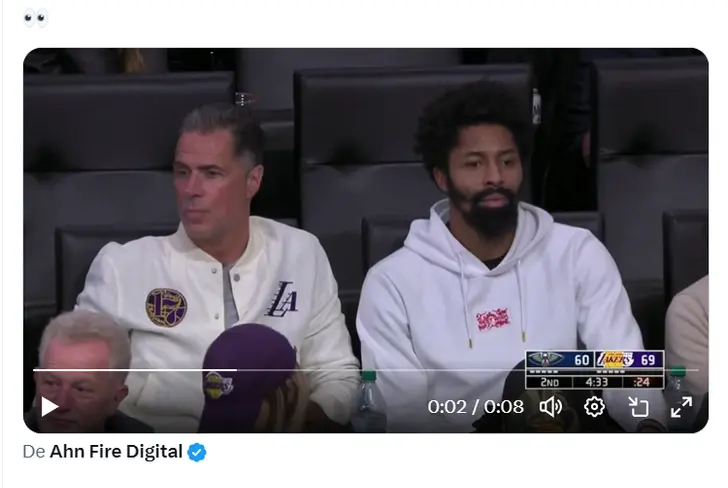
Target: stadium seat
268,74
98,150
354,141
650,152
650,155
685,248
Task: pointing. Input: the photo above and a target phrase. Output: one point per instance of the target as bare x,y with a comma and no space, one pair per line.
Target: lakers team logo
217,385
615,359
284,300
166,307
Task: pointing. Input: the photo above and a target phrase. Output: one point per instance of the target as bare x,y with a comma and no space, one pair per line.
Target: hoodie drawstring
522,301
466,312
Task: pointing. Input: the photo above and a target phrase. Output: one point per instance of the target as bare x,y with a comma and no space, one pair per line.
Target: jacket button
217,316
214,270
236,277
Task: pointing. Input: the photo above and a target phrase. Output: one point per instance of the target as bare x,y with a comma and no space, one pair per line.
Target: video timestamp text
475,407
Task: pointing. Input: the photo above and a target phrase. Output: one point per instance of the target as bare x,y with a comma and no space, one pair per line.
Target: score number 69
585,359
648,360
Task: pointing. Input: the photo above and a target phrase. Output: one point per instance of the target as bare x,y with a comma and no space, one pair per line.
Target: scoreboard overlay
594,370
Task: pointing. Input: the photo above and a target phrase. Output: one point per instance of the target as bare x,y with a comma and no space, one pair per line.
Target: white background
387,460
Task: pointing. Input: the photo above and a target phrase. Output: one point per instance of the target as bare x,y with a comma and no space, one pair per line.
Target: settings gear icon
594,406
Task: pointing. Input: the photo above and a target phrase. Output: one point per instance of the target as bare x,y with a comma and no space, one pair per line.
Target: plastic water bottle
370,414
679,402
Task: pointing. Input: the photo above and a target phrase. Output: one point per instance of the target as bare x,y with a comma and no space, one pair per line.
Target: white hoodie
454,329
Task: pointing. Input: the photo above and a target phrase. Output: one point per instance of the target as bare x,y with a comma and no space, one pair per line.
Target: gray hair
248,136
83,325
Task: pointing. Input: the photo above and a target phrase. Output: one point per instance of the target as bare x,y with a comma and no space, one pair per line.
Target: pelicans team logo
545,359
615,359
217,385
166,307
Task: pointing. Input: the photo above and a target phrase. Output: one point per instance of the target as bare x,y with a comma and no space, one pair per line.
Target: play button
46,406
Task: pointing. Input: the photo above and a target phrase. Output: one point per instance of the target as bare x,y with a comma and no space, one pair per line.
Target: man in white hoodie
485,279
222,267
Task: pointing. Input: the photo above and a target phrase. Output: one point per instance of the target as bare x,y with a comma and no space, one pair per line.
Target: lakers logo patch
217,385
166,307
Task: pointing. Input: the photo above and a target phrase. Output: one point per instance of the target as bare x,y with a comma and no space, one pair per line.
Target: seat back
98,151
268,73
354,141
649,151
685,249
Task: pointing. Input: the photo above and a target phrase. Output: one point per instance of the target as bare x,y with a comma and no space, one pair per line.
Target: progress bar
303,370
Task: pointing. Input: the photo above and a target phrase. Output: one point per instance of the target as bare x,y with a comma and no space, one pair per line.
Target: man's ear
440,179
254,180
121,394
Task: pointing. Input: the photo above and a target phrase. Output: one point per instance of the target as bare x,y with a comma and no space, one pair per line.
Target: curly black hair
482,102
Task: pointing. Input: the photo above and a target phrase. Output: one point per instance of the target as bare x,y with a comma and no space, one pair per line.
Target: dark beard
491,223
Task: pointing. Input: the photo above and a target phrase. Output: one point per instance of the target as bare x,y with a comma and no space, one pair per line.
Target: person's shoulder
572,233
694,295
397,266
123,423
284,234
698,290
148,247
580,243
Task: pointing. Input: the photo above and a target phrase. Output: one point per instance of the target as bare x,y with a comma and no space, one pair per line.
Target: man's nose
492,174
193,185
63,398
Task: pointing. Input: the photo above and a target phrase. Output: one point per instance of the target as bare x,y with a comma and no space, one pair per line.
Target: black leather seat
268,74
650,152
685,238
650,155
354,138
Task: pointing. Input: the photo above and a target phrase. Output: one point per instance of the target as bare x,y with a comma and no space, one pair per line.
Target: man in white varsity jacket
222,267
485,279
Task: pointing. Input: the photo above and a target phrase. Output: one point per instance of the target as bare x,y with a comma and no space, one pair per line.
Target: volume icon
551,407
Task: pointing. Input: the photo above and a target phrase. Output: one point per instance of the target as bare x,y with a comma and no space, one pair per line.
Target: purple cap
263,359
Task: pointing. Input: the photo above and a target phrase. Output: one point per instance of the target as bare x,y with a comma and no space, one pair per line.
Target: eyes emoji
30,17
